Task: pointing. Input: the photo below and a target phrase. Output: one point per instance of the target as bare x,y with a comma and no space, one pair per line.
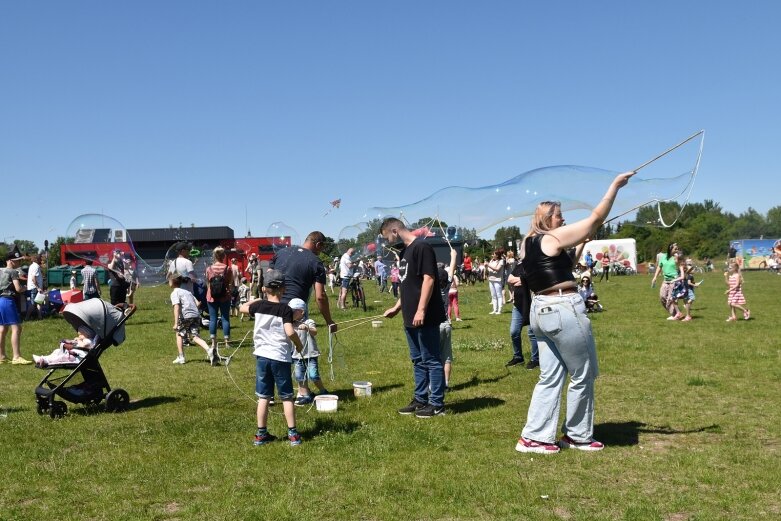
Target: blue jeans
566,347
225,312
427,367
515,337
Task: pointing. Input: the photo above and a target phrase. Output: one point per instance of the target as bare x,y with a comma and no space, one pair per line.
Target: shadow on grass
330,426
473,404
628,433
152,401
478,381
90,409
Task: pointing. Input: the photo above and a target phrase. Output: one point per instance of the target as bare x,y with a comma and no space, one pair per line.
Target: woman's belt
562,291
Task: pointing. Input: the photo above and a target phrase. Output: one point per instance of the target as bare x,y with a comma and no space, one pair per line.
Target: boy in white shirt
187,320
273,334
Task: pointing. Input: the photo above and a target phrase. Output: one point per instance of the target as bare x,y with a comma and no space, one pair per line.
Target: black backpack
218,285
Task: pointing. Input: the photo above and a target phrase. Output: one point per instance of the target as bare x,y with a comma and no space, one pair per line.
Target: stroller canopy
99,316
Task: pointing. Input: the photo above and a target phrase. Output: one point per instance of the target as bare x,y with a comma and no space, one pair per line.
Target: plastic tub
326,402
362,389
376,323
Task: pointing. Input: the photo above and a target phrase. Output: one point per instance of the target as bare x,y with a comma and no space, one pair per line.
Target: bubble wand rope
689,186
332,340
444,235
366,321
230,375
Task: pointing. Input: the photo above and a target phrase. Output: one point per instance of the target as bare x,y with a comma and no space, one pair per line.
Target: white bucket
326,402
376,323
40,298
362,389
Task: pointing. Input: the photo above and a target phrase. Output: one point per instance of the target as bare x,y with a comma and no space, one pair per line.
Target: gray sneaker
413,407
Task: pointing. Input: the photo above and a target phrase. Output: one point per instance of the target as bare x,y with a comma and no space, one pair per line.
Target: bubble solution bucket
362,389
326,402
376,323
40,298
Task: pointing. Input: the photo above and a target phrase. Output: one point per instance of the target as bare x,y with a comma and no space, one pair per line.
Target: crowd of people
551,294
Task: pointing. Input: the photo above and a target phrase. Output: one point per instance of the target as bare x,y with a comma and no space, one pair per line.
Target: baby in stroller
70,351
586,291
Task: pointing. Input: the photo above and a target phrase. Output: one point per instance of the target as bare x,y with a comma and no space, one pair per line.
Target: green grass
689,412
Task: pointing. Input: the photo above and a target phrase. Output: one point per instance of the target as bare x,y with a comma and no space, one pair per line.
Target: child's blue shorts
270,372
306,366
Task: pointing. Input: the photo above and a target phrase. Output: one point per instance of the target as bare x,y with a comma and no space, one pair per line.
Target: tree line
701,230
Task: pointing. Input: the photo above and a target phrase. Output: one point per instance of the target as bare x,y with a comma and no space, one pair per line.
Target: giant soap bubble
668,177
95,236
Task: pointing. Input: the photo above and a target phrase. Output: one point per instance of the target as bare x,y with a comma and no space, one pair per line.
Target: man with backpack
219,285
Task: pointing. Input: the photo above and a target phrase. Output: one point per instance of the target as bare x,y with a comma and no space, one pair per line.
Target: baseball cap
14,254
297,303
274,279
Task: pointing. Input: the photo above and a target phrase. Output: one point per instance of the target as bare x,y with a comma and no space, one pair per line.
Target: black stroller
86,383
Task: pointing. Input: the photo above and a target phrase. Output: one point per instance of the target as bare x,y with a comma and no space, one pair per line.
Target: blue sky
247,113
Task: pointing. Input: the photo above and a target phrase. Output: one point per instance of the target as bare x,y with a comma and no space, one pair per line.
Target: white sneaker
179,360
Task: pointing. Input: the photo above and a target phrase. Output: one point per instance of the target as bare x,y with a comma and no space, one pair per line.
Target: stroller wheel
117,400
42,407
58,410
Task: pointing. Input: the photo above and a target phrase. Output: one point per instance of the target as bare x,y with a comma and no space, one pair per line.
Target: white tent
623,251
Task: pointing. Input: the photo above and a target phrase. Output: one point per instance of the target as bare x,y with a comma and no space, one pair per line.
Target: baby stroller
86,383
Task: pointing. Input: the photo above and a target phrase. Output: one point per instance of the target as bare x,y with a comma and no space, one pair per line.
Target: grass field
689,413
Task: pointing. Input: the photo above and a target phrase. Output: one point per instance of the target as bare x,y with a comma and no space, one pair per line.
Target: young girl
452,299
395,280
244,291
689,285
70,351
735,298
73,280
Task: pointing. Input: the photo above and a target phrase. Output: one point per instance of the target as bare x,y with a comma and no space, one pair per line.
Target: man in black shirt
422,311
303,269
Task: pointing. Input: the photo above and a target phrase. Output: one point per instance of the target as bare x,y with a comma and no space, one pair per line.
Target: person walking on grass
562,328
423,312
274,338
34,286
520,317
735,297
667,265
689,284
187,320
219,287
10,288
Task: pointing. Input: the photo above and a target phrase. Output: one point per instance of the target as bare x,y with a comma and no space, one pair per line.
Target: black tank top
542,271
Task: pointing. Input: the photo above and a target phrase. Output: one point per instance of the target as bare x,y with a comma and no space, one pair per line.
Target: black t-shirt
522,298
418,259
302,268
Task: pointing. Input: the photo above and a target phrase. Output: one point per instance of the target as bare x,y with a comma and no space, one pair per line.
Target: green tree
505,237
749,225
773,222
27,247
54,257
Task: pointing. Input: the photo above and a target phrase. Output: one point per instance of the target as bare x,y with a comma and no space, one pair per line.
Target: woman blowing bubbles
563,331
